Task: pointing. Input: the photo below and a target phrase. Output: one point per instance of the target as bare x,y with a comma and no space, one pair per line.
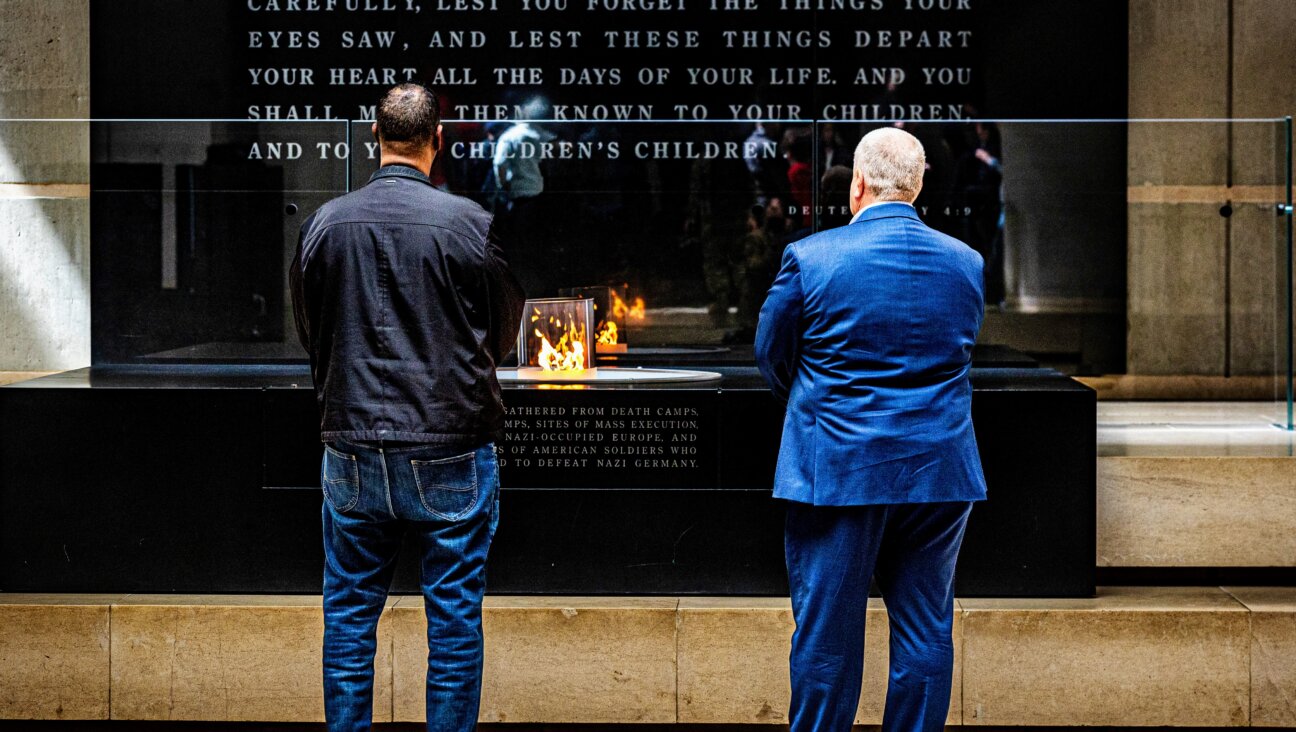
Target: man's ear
436,139
857,186
373,128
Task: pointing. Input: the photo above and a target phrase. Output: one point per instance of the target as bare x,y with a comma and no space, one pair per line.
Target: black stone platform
174,478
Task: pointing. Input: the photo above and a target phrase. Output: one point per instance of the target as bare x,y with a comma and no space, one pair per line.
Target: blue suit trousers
832,554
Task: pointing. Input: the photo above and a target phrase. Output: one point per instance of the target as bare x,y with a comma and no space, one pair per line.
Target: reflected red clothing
800,179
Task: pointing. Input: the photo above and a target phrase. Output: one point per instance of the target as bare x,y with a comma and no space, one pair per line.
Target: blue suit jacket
867,333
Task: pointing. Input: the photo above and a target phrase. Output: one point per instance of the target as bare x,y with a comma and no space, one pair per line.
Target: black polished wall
205,479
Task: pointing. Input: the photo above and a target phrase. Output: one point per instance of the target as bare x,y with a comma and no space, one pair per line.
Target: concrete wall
44,185
1203,287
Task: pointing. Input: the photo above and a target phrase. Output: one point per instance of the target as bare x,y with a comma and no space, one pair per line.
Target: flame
568,354
607,335
621,310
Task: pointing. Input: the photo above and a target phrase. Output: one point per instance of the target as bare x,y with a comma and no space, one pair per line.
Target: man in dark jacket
405,305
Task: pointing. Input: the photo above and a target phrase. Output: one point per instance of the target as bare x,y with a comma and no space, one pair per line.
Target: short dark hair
800,144
407,116
836,181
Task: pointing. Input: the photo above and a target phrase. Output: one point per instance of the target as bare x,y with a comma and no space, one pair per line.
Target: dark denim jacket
405,305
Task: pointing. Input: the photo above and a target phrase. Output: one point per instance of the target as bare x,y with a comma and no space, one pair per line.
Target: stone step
1202,657
1196,511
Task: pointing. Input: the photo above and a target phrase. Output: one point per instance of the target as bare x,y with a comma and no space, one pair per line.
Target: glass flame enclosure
557,334
611,334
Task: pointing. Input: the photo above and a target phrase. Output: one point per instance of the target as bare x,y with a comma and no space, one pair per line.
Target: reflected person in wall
834,197
768,173
760,249
798,148
832,149
520,181
404,302
867,333
980,184
715,221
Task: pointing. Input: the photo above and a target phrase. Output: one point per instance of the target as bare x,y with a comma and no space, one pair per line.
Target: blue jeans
372,495
832,553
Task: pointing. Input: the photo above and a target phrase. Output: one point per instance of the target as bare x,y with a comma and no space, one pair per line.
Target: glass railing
193,227
1150,257
1284,287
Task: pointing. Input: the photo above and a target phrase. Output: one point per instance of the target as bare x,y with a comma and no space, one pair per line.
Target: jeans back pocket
447,487
340,478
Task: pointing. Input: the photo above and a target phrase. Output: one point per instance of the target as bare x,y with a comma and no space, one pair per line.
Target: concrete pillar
1205,290
1177,287
44,185
1264,85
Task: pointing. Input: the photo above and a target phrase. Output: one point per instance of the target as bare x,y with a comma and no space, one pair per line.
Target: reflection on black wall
228,269
689,229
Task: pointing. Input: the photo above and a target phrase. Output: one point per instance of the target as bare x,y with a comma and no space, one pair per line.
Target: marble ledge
54,599
248,601
1273,653
1116,599
227,658
1196,512
618,656
1108,598
1150,656
55,657
1143,656
733,656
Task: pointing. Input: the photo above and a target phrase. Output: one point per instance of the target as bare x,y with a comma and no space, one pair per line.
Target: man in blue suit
867,333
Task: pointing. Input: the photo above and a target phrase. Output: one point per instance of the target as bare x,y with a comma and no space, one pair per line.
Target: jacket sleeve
778,332
504,299
296,277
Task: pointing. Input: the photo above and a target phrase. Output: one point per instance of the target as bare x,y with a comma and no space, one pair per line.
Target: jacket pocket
340,478
447,487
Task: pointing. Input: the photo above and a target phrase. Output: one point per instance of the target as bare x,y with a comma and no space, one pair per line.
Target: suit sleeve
778,332
504,299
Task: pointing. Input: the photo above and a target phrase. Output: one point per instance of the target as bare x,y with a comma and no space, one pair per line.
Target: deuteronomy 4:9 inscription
847,60
462,46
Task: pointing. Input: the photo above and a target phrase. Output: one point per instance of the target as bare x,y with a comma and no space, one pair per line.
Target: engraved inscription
608,445
651,59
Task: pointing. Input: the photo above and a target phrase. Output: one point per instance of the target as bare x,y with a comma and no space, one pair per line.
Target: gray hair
891,162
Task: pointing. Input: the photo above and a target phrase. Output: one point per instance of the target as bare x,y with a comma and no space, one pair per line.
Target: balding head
407,124
407,115
889,165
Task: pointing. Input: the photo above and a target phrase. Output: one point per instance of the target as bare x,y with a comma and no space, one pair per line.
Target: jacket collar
887,210
399,171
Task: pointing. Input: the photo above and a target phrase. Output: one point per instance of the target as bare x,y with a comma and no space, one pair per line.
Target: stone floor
1182,429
